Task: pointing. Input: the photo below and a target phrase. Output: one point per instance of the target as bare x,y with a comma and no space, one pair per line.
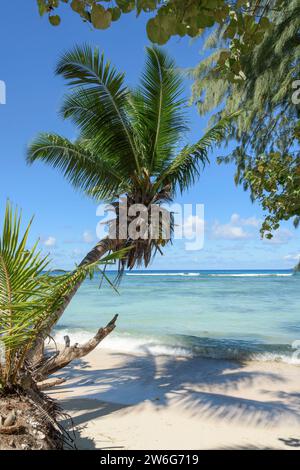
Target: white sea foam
126,343
163,274
253,275
276,357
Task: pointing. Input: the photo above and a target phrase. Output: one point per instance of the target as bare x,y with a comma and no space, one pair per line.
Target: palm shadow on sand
202,387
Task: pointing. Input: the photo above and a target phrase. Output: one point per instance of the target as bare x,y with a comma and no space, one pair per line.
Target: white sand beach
126,401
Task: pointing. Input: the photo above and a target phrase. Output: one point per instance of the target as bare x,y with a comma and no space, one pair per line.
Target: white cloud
50,242
88,236
235,228
229,232
251,222
248,222
292,257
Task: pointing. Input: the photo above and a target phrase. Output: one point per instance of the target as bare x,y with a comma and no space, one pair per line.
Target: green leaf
54,20
231,30
78,6
211,4
42,7
264,23
115,13
101,18
181,29
224,55
168,23
146,5
156,32
125,5
205,21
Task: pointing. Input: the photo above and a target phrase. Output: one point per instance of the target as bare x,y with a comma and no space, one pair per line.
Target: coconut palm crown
128,140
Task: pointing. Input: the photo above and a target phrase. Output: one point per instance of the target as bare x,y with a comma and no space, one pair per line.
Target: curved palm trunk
36,354
92,257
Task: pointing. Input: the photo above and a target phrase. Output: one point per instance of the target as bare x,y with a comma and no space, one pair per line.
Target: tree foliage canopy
244,21
267,131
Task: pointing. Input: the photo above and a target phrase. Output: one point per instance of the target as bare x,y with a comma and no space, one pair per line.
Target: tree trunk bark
36,354
92,257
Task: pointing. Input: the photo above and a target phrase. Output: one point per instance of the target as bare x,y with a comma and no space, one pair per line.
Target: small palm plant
128,143
28,299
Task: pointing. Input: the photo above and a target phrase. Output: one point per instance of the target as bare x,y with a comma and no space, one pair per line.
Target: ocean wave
191,274
126,344
253,275
189,347
162,274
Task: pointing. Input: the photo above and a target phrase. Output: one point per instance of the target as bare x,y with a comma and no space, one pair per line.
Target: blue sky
65,220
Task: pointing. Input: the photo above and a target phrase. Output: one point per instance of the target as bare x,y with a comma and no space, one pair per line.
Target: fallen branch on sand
61,359
45,385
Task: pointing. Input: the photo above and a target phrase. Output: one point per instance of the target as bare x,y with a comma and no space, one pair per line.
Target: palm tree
29,297
128,143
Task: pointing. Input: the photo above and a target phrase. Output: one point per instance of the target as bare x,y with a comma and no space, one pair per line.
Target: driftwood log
46,384
61,359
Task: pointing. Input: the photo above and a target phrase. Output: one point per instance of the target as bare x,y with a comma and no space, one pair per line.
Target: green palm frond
128,139
185,169
160,112
97,103
29,297
19,290
78,164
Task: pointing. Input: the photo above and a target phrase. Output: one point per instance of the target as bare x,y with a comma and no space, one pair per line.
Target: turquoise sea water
226,314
